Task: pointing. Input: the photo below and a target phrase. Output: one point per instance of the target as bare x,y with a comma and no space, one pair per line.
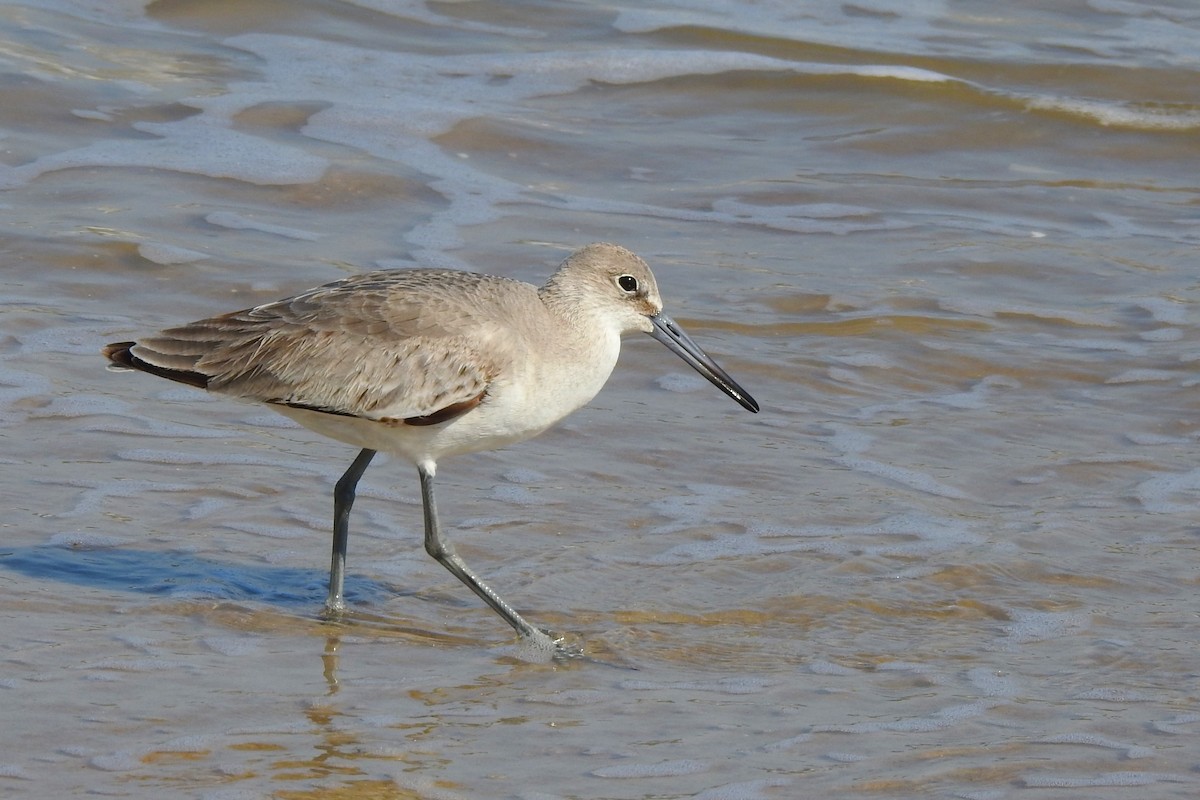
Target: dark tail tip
118,353
120,357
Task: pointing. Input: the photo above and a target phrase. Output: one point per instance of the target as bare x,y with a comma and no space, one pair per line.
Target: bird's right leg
441,549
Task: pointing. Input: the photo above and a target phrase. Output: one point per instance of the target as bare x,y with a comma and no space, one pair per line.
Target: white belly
518,406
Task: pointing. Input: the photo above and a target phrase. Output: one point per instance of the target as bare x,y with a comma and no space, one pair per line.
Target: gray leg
343,500
442,550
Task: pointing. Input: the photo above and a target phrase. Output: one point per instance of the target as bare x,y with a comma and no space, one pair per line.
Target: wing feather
419,345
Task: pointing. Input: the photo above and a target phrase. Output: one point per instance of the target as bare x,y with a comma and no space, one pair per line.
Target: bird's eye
628,283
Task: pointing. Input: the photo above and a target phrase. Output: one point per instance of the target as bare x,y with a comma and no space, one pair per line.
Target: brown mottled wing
414,345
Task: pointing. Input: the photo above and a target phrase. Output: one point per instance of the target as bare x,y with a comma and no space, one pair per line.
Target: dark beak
679,343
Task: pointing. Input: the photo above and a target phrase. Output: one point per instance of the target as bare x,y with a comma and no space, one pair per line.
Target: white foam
147,455
823,218
902,666
83,539
536,649
427,96
136,664
195,145
725,546
982,307
269,420
1102,345
845,758
230,792
788,743
774,20
1166,310
681,383
273,531
1038,626
1177,725
819,667
1144,375
143,426
939,720
699,507
167,254
523,475
737,684
661,769
848,440
189,743
234,221
517,495
120,761
176,393
1154,439
744,790
93,114
865,359
15,771
1111,694
1103,779
1162,494
79,339
992,682
93,498
1162,335
913,479
16,386
1091,740
571,698
204,507
842,375
83,405
1116,114
978,396
899,534
919,28
418,11
232,645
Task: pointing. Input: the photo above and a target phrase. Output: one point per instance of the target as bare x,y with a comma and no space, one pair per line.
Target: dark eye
628,283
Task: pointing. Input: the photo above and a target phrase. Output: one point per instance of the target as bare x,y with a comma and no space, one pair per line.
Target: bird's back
382,345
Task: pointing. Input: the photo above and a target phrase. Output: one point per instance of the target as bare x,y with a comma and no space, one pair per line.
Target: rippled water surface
950,246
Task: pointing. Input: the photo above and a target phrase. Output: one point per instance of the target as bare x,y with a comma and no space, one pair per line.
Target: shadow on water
182,575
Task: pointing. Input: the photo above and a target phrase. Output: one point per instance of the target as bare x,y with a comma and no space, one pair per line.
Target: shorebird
427,363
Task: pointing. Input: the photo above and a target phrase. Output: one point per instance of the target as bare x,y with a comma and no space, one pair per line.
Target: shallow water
949,246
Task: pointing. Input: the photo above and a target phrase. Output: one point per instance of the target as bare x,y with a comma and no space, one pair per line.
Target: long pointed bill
679,343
